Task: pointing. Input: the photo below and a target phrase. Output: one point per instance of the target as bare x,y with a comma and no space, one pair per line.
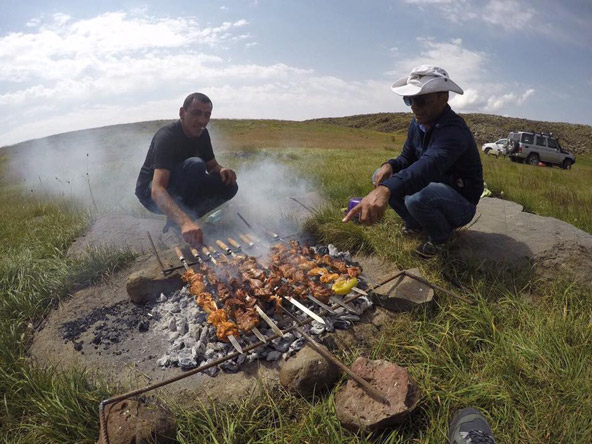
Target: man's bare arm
190,231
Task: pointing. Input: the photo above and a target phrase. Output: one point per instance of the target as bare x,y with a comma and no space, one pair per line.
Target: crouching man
436,182
180,176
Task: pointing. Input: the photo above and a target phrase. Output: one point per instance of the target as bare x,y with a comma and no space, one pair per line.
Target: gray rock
404,293
357,411
308,372
172,324
147,284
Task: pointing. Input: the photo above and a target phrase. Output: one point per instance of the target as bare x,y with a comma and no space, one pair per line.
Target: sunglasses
418,100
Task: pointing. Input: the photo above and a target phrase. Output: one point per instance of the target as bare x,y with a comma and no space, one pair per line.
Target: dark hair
197,96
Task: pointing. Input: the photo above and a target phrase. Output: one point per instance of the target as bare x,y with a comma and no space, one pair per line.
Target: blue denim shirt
446,153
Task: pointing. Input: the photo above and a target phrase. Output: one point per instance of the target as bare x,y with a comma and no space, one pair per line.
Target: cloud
507,14
468,68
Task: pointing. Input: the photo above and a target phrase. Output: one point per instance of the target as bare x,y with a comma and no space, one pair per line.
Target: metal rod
156,253
437,287
331,358
244,220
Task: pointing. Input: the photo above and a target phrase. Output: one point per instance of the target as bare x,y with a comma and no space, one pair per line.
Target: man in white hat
436,182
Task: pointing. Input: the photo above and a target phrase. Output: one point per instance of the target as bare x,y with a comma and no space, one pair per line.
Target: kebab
343,277
234,304
271,286
225,329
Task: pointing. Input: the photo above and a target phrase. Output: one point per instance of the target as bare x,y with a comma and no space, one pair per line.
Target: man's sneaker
469,426
429,250
411,231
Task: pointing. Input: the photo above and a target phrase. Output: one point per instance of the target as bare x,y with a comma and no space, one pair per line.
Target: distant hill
485,127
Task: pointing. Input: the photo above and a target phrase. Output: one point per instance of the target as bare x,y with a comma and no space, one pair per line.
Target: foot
429,250
469,426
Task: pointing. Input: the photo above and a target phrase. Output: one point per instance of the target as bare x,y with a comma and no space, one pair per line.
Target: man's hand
372,207
191,233
385,172
228,176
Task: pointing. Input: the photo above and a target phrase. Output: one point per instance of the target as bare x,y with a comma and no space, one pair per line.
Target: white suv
496,148
538,147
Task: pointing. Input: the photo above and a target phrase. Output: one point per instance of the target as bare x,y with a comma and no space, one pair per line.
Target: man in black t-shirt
180,176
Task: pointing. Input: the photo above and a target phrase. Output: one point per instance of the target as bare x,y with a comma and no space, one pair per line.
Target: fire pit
289,284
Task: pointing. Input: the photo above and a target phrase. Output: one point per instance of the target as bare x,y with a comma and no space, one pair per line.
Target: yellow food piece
344,286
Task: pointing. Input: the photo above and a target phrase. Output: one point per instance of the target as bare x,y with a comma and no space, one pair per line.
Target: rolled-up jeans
193,189
438,209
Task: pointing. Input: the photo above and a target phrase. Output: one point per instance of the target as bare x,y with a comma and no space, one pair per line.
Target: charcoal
282,345
273,356
342,324
143,325
316,328
182,326
241,359
164,361
210,351
198,350
186,360
229,366
189,341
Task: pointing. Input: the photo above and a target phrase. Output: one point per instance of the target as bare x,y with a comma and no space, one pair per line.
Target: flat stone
307,372
404,293
359,412
148,283
133,421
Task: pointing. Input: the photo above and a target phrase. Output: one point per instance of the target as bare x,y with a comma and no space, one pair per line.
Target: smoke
97,168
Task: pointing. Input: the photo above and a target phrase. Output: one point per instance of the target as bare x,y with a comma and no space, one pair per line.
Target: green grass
522,352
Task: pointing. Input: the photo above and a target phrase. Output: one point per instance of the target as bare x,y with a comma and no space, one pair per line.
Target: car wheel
533,159
487,150
566,164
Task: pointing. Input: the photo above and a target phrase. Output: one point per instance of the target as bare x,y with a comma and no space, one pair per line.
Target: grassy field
522,352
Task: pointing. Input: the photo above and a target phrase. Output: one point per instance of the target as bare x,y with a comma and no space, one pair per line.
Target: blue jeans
438,209
194,189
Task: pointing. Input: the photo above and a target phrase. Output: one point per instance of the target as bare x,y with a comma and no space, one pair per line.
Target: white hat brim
439,84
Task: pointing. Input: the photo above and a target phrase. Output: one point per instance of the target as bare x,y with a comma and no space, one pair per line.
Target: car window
540,141
501,141
527,138
552,143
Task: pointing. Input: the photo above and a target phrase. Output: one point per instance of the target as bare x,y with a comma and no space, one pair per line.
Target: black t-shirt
169,147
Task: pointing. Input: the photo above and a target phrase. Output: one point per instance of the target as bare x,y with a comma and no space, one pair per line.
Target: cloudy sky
68,65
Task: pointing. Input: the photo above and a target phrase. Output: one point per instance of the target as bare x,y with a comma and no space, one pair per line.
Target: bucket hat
425,79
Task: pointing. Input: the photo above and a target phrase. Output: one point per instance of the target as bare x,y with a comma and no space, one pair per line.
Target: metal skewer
231,338
330,357
264,316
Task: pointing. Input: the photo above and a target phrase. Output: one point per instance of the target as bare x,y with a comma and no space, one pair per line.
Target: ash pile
218,312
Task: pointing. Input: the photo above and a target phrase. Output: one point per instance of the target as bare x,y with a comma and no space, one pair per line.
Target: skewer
266,318
245,239
209,255
225,248
231,338
330,357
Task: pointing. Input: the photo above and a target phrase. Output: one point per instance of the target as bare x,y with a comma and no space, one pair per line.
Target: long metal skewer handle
223,246
181,257
221,257
330,357
209,255
234,243
246,240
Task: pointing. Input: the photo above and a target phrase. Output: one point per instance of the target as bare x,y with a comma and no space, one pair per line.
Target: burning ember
241,298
